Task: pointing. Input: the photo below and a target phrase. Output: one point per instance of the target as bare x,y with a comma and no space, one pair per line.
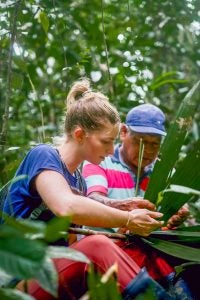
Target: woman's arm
57,195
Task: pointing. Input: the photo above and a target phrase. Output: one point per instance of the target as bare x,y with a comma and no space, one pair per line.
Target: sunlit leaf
24,227
10,294
44,21
48,276
5,279
168,81
12,148
164,75
182,189
66,252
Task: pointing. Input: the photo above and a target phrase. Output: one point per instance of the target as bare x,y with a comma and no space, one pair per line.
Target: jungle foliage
135,51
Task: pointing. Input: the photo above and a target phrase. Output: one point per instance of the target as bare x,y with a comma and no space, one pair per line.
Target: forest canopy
134,51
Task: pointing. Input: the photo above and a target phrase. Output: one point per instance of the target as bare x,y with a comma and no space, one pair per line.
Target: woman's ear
79,134
123,131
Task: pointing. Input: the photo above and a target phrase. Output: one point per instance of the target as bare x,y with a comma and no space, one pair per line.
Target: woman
54,187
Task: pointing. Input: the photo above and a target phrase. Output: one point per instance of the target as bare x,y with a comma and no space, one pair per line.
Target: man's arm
134,203
122,204
97,185
63,202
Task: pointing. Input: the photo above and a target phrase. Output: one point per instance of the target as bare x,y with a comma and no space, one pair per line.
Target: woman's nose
110,150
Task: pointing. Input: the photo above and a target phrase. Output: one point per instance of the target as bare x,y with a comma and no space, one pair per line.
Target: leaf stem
141,153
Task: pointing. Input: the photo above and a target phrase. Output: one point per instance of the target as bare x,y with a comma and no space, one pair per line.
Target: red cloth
103,253
154,261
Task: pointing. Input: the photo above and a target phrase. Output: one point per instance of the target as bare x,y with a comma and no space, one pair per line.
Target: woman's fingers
144,221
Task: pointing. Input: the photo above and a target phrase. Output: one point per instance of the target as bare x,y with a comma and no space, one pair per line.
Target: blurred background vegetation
134,51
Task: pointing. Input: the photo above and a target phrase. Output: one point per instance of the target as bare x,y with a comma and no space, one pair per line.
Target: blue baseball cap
146,118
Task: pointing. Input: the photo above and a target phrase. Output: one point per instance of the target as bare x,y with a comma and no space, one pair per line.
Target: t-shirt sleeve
95,178
41,158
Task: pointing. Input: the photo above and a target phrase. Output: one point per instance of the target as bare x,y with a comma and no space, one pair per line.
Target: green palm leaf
21,257
187,174
183,236
174,249
172,144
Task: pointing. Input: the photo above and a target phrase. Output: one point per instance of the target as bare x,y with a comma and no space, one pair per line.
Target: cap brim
149,130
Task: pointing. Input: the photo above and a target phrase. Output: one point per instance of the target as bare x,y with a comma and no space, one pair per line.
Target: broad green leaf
164,75
8,231
182,189
66,252
172,144
57,228
5,279
187,174
44,21
10,294
23,227
167,81
12,148
20,63
48,277
195,228
179,269
21,257
178,235
174,249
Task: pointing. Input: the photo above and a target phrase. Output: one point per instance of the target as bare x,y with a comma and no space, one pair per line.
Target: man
115,181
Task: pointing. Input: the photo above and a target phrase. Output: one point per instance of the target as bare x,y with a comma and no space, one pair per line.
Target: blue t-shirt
21,201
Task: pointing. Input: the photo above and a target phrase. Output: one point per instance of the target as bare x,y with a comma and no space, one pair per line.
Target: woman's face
99,144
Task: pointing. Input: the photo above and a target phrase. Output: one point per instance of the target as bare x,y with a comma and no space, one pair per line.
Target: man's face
131,145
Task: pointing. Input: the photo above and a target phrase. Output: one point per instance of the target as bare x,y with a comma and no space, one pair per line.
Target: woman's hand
143,221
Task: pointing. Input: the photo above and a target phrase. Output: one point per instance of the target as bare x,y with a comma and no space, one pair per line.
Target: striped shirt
114,178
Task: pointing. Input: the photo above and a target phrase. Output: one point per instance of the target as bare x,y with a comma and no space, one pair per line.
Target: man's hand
130,204
123,204
177,219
